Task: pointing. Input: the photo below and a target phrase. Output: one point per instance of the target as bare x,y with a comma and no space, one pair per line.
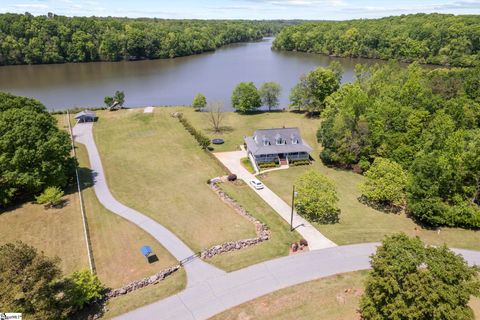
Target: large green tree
34,153
30,283
312,90
412,281
385,183
199,102
316,198
245,97
269,93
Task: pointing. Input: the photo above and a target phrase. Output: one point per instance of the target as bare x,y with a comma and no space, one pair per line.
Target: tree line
28,39
425,125
441,39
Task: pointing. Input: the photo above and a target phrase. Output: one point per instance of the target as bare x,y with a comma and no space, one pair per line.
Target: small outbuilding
85,116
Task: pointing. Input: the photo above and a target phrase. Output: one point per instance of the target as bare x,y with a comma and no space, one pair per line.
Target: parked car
256,184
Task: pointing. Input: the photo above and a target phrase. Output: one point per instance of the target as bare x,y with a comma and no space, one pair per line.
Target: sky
241,9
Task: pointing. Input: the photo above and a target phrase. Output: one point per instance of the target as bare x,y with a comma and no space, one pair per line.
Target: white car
256,184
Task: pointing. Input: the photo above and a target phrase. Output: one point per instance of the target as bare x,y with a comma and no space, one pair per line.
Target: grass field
277,245
147,295
116,242
323,299
153,165
358,222
332,298
56,232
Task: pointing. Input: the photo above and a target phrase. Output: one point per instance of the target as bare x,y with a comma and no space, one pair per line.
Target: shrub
202,139
267,165
50,197
317,198
232,177
84,288
303,242
299,162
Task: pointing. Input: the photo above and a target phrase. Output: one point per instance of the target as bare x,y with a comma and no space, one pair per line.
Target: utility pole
293,204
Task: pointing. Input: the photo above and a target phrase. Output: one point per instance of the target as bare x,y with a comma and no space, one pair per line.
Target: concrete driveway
215,295
315,239
197,270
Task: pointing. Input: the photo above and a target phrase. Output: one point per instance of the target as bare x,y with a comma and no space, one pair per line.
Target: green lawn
323,299
358,222
247,164
56,232
277,245
136,299
153,165
116,242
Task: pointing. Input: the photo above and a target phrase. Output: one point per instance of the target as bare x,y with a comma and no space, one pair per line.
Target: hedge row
266,165
202,139
299,162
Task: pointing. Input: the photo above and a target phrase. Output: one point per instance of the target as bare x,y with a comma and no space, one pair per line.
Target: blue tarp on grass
146,250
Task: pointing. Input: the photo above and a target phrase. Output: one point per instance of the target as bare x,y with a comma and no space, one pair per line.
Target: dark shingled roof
85,113
255,143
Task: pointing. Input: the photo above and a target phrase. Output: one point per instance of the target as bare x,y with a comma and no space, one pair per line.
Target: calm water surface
167,81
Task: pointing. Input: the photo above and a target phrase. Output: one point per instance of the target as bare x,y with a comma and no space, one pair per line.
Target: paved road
197,270
218,294
315,239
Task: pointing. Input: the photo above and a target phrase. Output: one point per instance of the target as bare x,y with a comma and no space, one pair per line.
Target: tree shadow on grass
93,310
379,206
222,129
87,177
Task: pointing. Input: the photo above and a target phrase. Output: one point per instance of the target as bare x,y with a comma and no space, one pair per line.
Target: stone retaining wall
263,233
142,282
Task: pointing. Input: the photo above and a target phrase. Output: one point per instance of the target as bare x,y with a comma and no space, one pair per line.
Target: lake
166,81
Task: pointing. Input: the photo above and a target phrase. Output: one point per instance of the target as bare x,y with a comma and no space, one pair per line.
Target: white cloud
31,5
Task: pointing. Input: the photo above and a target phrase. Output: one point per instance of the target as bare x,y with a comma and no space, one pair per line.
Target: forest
440,39
427,121
28,39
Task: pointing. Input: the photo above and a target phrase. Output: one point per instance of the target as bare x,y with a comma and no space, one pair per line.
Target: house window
294,139
265,141
279,140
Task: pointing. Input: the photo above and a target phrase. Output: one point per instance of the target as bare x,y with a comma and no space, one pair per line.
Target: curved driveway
197,270
218,294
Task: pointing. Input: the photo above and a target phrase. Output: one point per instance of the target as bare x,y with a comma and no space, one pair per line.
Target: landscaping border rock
135,285
263,233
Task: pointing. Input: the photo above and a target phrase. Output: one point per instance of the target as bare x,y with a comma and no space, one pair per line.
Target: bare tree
215,115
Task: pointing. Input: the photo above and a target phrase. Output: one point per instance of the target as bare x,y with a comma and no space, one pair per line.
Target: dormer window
294,139
265,141
279,140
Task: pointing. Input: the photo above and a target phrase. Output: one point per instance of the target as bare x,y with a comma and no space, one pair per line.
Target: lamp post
294,194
